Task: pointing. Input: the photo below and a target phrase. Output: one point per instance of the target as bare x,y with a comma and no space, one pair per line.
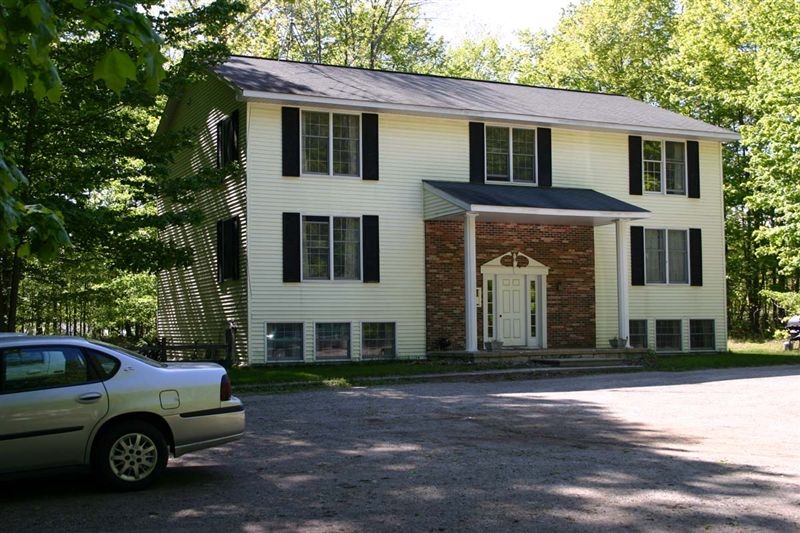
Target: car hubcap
133,457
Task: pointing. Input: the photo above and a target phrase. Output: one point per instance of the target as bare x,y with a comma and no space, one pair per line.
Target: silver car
68,401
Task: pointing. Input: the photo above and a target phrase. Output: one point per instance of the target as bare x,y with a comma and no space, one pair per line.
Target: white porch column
622,283
470,283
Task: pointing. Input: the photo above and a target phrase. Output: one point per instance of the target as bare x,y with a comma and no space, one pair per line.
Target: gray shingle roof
559,198
288,81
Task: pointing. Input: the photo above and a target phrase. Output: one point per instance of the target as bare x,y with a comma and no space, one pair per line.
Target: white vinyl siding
437,207
599,161
410,148
192,305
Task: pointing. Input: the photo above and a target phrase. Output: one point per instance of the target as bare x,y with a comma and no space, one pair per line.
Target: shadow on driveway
506,456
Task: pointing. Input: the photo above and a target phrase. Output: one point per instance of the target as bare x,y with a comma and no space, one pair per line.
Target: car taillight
225,389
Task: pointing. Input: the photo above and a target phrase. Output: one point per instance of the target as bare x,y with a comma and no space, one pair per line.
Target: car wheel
130,455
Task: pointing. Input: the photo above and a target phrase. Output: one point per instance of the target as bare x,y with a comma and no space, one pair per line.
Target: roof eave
561,213
534,214
471,114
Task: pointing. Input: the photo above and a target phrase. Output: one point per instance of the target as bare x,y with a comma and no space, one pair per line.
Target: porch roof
525,204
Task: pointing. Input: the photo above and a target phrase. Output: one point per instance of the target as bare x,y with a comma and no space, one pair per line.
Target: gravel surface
707,450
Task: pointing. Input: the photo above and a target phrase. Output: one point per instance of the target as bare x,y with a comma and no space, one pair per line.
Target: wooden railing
164,350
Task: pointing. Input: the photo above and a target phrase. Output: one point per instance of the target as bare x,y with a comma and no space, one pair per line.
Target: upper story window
331,143
666,256
227,139
664,166
510,154
331,248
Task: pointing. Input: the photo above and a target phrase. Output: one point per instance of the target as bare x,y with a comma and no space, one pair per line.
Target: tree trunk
13,295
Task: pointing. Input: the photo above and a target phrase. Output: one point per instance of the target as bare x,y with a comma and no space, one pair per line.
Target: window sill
523,183
334,176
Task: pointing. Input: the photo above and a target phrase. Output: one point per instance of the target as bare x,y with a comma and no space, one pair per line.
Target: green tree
378,34
614,46
709,75
773,142
92,155
29,34
485,59
774,137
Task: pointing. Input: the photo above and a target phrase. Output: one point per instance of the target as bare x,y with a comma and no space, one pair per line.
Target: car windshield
130,353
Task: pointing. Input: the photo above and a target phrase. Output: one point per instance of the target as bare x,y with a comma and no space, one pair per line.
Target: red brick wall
567,250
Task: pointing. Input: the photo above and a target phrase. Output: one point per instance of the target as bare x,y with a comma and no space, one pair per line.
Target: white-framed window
668,335
701,335
666,256
332,340
331,143
284,341
510,154
378,340
664,166
331,248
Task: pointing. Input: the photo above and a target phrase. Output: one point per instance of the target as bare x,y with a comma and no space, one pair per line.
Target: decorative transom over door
512,316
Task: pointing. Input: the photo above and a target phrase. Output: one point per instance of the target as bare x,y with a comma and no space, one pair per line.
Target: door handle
89,397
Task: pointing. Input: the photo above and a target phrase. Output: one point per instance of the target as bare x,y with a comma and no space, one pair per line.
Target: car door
50,400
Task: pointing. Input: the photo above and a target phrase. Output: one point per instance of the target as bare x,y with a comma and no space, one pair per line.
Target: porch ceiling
526,204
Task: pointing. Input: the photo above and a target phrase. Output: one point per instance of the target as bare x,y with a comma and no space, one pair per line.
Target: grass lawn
276,378
340,372
740,354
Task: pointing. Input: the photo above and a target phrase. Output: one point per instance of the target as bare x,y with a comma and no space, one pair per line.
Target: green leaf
116,68
37,11
19,79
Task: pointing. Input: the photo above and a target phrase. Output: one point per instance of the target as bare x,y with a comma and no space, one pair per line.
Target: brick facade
568,251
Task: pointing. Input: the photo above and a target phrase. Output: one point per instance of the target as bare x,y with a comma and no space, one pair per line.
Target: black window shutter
545,157
635,164
228,139
220,250
477,153
372,261
369,145
696,257
290,119
232,146
234,241
221,128
637,255
693,168
228,249
291,247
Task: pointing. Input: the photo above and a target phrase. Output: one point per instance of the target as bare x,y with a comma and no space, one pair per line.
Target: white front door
511,310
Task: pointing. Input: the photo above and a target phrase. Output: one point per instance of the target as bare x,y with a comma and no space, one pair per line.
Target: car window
129,353
105,365
43,367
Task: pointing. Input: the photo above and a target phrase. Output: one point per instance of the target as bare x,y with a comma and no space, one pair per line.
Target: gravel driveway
708,450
